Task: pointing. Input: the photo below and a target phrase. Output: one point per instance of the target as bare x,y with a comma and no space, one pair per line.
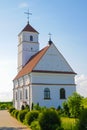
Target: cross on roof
50,36
28,13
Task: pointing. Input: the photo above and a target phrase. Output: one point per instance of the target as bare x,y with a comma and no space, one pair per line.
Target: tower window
31,38
46,93
62,93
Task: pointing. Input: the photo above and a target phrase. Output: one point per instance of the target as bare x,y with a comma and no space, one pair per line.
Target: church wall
38,94
53,78
26,36
53,61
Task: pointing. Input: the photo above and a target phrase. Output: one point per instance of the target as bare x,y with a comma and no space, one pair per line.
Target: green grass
68,123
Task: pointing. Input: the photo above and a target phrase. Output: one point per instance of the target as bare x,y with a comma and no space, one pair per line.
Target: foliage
27,107
11,109
66,109
68,123
74,104
49,120
35,125
16,112
21,115
84,102
82,123
5,105
31,116
37,107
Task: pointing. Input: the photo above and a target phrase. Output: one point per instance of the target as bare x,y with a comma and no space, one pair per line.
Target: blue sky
66,20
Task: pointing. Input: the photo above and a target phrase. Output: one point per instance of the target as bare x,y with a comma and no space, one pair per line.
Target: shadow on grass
12,128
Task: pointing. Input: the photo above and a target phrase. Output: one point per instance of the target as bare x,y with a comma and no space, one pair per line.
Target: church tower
28,45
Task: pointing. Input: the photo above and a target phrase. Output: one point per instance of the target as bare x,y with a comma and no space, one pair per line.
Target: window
46,93
20,94
31,38
62,93
16,96
26,94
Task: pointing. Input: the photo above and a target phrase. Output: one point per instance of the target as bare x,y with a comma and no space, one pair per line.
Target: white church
44,76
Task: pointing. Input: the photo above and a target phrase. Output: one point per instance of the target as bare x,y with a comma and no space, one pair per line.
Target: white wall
53,78
38,94
53,61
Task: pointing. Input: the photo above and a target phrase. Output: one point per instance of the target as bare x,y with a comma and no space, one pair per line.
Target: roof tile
29,28
31,63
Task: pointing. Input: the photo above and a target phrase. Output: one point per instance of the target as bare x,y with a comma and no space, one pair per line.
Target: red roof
31,63
29,28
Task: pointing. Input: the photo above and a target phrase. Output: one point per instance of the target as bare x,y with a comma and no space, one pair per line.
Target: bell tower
28,45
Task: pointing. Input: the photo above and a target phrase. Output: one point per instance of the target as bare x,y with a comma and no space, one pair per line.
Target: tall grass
68,123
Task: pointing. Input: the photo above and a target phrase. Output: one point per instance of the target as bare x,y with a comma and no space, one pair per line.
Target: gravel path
9,123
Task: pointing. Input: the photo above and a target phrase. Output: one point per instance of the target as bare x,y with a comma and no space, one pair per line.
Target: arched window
31,38
46,93
62,93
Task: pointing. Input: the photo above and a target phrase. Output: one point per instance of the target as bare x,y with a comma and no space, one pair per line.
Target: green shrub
82,123
21,115
11,109
31,116
35,125
12,113
16,114
49,120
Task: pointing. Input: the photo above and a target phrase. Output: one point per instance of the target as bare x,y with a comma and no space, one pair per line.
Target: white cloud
23,5
81,82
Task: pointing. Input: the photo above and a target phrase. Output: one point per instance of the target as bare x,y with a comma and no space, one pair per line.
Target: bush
31,116
35,125
11,109
49,120
21,115
12,113
16,114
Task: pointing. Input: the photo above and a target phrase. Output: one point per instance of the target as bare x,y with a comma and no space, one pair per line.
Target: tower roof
29,28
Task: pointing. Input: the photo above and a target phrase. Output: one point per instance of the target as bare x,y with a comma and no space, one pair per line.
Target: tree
74,104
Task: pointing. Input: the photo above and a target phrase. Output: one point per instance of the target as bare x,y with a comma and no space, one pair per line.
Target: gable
53,60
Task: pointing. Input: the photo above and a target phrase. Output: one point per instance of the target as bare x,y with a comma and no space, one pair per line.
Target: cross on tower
28,13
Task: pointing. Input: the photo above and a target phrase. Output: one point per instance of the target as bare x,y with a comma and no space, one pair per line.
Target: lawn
68,123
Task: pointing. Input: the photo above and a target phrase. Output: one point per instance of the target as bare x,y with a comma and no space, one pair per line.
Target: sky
66,20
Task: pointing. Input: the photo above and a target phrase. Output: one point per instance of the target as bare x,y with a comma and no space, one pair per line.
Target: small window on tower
31,38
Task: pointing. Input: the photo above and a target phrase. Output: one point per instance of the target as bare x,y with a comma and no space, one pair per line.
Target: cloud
23,5
81,82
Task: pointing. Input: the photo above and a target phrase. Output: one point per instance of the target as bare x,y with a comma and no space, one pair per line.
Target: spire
50,42
28,13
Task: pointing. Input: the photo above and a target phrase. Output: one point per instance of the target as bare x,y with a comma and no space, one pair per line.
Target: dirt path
9,123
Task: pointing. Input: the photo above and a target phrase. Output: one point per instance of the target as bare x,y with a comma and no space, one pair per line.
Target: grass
68,123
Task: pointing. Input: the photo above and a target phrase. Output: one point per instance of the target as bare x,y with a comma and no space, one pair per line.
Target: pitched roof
31,63
29,28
